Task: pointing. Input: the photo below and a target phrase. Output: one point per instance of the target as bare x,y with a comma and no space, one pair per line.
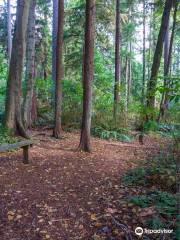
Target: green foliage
117,134
160,171
158,178
155,223
150,125
72,103
166,208
5,136
166,203
142,201
3,74
177,230
44,88
103,84
134,176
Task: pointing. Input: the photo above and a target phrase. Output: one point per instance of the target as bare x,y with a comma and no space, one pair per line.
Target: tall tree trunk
167,62
59,70
88,76
126,82
9,29
117,59
13,113
151,41
30,66
129,75
151,90
154,27
54,38
149,53
166,56
54,47
128,66
45,53
144,54
166,50
33,115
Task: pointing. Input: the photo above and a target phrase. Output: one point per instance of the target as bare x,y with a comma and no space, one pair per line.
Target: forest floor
66,194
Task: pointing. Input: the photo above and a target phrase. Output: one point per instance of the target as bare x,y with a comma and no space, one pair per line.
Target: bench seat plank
6,146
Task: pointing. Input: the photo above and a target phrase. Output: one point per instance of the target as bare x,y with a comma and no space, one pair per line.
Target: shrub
5,136
117,134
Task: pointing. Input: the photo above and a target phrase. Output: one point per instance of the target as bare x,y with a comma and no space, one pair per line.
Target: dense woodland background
139,25
108,69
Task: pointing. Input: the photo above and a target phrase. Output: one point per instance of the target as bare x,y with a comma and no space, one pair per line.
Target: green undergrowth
170,131
119,134
159,171
165,202
6,136
158,180
166,209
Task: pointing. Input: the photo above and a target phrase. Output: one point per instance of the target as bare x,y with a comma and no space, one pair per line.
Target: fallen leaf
18,217
111,210
81,227
93,217
148,211
11,213
41,220
10,217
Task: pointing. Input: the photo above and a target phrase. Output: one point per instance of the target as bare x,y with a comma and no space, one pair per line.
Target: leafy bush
166,209
166,203
5,136
3,75
160,171
134,176
142,201
150,126
159,175
117,134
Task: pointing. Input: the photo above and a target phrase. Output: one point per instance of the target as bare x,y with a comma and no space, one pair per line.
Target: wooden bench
22,144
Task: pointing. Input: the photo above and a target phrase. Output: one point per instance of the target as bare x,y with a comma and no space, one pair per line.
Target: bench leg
25,154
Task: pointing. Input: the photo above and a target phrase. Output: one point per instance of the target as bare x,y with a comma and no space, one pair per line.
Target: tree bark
45,52
13,113
54,38
85,144
126,82
151,40
9,29
154,27
117,59
59,70
54,47
166,56
151,89
129,77
144,54
30,66
33,113
167,62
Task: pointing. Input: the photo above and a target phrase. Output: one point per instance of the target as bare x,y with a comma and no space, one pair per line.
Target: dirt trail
65,194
